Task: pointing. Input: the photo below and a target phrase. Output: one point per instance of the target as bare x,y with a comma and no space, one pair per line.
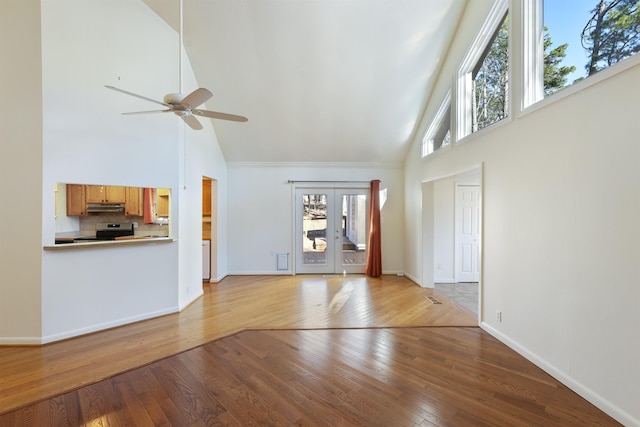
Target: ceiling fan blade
136,95
191,121
217,115
149,112
197,97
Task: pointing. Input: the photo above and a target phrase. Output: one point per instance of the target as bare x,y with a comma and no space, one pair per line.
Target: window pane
438,133
354,233
314,227
583,37
490,80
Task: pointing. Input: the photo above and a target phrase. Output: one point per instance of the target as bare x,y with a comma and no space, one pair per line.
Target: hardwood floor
290,365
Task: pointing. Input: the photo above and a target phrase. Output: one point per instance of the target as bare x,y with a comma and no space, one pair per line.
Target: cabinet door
162,202
115,194
76,203
133,205
206,197
95,193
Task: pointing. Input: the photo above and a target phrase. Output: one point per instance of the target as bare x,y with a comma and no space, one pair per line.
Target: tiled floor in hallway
463,294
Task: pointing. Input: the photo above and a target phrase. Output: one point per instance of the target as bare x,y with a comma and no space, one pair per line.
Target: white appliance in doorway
206,260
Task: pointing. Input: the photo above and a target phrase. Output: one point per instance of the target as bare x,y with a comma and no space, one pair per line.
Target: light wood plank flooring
291,365
29,374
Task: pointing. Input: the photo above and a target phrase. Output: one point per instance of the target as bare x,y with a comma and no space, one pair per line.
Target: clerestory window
569,41
438,134
491,81
483,78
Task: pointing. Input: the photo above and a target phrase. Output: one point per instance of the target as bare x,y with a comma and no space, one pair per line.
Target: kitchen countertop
68,239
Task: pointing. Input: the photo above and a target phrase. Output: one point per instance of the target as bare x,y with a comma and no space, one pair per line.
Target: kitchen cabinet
133,204
162,202
105,194
78,196
76,201
206,197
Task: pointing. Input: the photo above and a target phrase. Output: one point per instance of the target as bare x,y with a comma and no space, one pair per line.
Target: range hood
105,207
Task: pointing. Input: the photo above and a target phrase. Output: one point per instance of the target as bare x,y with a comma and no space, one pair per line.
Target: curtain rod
294,182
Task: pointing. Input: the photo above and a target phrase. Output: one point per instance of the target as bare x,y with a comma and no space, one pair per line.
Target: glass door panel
330,231
352,239
314,229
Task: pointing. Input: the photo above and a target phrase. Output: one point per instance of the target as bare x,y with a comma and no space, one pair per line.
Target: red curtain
374,245
147,206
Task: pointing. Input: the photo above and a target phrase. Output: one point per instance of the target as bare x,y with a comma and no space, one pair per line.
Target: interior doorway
209,230
331,230
451,238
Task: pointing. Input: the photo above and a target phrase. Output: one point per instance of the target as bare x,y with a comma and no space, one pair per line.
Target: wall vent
282,262
434,300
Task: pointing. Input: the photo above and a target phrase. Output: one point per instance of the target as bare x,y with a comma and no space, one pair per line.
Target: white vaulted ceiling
319,80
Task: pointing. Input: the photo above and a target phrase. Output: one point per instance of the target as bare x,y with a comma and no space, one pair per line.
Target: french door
331,230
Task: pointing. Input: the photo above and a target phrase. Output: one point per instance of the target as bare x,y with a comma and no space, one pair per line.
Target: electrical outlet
499,315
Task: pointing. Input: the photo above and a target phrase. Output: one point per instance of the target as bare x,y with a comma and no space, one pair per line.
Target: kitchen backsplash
88,223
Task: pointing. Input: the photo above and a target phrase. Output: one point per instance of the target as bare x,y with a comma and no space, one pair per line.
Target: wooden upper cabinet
76,202
105,194
116,194
133,205
95,193
206,197
162,202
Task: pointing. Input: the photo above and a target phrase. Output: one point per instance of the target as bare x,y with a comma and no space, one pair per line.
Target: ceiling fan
184,106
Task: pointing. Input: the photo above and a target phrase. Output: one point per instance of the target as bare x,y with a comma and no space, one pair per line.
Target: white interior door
467,226
330,230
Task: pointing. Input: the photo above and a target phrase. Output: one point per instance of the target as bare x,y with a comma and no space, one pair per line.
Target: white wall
444,230
560,254
20,171
260,206
203,158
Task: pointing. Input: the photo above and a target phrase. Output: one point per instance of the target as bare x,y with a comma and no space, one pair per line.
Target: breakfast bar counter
65,243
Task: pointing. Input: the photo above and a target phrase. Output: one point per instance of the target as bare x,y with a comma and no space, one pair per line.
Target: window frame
436,125
532,60
464,84
532,52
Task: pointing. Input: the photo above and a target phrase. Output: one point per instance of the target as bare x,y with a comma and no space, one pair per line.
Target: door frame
319,187
428,227
214,238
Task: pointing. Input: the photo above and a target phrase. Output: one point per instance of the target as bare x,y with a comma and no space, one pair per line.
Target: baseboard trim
603,404
216,279
261,273
107,325
26,341
413,279
192,300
